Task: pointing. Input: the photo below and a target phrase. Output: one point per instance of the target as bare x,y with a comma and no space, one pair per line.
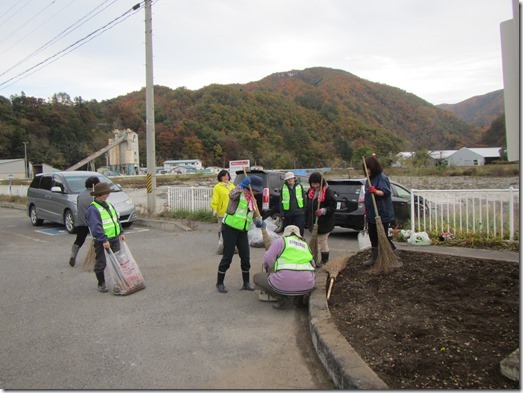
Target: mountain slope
479,110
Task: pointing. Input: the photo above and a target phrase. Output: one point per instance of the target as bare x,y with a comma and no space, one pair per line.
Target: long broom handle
321,187
252,195
370,184
330,288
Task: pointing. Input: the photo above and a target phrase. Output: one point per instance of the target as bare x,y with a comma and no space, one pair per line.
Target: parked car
268,202
350,201
52,197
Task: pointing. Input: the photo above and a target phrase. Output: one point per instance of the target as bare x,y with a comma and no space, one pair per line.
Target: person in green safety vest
240,214
292,203
105,227
290,269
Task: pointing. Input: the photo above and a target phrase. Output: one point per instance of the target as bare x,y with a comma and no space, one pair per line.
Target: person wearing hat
220,201
292,202
290,269
105,227
240,213
321,204
83,200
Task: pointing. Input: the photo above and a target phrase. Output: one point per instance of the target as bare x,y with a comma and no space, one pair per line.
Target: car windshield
77,183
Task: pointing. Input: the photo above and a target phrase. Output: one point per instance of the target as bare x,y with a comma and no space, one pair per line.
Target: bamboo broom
313,243
333,267
386,260
266,238
90,257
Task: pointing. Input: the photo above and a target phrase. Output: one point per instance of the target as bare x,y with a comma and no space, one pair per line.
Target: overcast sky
444,51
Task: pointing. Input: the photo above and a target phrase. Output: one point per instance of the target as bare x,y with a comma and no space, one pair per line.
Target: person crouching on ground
290,269
236,223
105,227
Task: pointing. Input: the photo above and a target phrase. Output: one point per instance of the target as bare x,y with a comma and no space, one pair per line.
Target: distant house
440,157
477,156
169,165
182,169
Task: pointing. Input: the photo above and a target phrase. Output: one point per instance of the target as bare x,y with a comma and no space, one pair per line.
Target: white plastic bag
255,234
124,275
419,239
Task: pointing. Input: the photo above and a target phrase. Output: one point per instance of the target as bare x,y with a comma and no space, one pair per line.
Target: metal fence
189,198
492,213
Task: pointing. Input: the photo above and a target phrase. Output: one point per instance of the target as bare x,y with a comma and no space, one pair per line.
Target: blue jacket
384,203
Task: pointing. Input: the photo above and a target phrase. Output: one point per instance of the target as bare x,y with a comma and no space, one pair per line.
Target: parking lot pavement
59,332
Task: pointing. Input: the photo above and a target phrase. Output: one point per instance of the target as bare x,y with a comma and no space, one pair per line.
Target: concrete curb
345,367
166,225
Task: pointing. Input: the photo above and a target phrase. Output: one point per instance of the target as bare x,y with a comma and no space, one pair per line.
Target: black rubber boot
374,256
74,252
101,281
246,284
219,282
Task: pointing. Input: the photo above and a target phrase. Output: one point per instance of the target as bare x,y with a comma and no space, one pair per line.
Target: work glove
319,212
260,224
245,183
373,190
214,212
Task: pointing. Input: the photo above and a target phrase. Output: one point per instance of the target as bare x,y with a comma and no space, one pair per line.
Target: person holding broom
289,269
83,200
379,187
238,218
105,227
220,201
321,205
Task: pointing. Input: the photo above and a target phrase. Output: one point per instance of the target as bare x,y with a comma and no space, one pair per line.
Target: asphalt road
59,332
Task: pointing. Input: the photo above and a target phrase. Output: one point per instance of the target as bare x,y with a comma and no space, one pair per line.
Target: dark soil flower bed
439,322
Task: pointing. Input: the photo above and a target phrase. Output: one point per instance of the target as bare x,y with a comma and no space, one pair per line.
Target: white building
468,156
171,165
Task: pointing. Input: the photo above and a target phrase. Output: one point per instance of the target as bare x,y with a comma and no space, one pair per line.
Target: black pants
373,233
81,235
234,238
101,263
295,219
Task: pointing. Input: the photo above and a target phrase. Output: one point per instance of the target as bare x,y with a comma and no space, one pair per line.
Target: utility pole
149,104
26,172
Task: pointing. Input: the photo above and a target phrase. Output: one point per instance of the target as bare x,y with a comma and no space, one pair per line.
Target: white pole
149,103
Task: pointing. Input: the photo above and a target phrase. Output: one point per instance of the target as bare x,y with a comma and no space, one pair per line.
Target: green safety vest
296,255
286,196
110,222
241,219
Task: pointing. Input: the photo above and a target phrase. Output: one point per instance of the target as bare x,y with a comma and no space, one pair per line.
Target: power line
38,13
71,47
17,11
64,33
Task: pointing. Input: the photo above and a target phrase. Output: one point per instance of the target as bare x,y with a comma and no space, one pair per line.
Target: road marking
52,231
24,236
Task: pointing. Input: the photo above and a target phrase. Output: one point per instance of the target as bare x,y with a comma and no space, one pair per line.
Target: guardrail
189,198
13,190
494,213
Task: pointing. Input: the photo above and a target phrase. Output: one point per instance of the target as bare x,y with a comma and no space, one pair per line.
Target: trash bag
255,234
364,240
419,239
124,276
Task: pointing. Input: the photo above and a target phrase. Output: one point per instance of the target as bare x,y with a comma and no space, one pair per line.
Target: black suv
350,201
272,182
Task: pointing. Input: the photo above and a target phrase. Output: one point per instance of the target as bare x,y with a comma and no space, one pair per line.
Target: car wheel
127,224
277,220
69,221
34,218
